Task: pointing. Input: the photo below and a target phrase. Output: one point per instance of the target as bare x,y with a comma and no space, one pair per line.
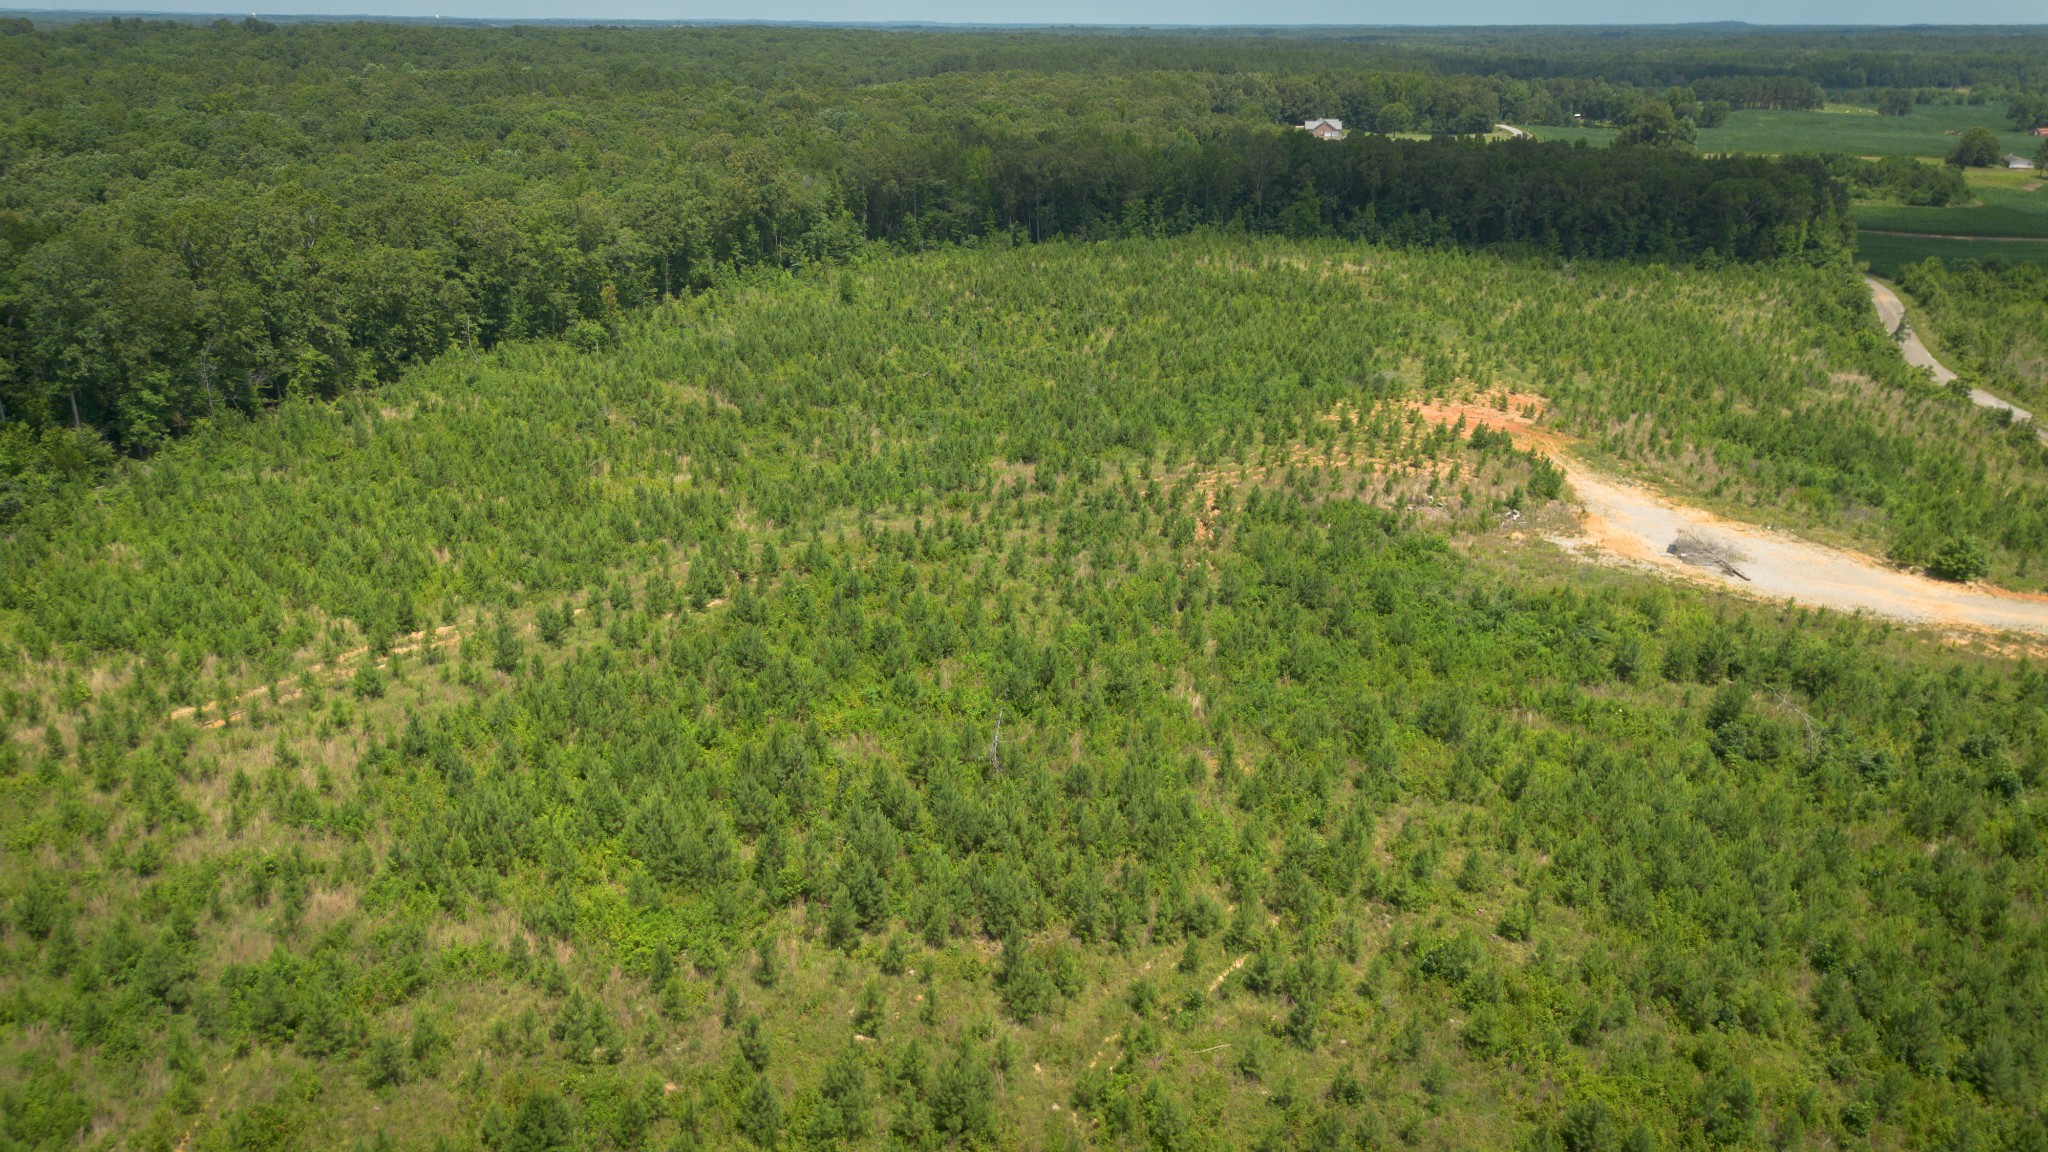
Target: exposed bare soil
1624,523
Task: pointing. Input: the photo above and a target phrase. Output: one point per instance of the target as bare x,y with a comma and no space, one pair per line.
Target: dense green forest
198,218
1052,696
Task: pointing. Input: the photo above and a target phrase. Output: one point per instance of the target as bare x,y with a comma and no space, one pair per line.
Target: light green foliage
534,471
1480,851
1990,320
1961,559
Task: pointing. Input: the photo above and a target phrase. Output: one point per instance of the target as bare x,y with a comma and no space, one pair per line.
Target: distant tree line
1552,197
1901,179
204,220
1778,92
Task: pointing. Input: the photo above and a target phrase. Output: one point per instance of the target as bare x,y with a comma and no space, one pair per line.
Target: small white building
2017,162
1324,129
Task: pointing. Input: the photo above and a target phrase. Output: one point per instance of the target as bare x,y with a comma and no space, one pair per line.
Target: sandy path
1623,522
1892,311
1637,526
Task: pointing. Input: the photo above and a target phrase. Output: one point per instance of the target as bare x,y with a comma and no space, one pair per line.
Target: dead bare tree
1696,549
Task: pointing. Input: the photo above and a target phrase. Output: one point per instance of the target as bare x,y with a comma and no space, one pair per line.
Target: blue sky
1268,12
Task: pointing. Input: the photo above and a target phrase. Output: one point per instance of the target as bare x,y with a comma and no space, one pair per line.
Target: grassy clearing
1929,132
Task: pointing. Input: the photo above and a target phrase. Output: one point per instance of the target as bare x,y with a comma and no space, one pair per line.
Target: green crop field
1886,253
1998,214
1930,131
2008,204
2010,213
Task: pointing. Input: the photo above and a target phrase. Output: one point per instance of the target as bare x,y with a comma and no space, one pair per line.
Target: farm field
1929,132
1887,253
2007,204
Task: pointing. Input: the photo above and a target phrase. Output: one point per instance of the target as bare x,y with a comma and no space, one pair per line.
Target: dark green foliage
1023,980
1653,125
1588,1127
963,1105
1727,1107
1960,559
753,1043
360,199
507,647
1778,92
428,1045
587,1032
1978,148
760,1118
867,1013
39,1107
848,1100
1901,179
542,1122
895,954
384,1066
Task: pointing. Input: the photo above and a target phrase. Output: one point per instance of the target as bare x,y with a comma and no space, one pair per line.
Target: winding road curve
1892,312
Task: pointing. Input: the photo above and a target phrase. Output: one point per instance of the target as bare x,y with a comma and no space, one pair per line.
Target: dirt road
1632,525
1637,526
1892,312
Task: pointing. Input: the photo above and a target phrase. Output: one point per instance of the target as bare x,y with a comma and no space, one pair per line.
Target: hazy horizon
1125,13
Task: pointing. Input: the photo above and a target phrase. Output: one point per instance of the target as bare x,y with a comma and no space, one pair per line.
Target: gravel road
1637,526
1892,311
1620,522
